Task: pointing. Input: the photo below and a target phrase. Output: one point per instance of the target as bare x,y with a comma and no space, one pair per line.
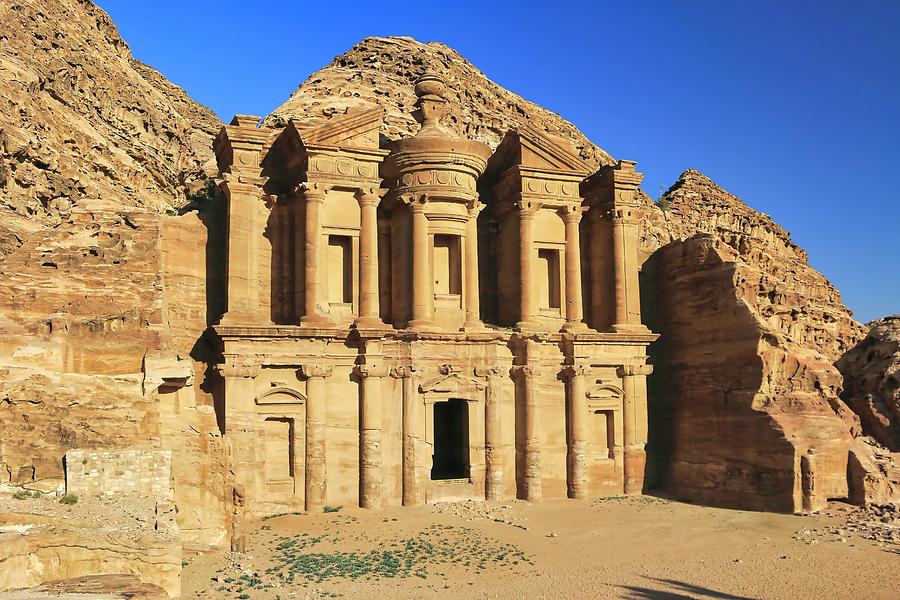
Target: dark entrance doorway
451,440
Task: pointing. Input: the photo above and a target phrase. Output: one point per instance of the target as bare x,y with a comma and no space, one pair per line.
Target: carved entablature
531,166
239,147
453,385
614,186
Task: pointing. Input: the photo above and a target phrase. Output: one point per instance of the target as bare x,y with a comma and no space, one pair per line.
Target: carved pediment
280,395
357,129
528,147
454,385
605,396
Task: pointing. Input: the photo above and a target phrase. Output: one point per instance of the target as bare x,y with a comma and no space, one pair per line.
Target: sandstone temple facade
424,319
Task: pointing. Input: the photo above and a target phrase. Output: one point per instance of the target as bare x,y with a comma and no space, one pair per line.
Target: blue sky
792,106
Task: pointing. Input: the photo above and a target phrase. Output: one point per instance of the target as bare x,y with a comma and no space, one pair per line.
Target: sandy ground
639,548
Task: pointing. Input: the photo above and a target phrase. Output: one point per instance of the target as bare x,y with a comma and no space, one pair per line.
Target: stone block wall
114,472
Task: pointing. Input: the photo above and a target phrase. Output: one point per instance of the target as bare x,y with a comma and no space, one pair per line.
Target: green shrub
69,499
25,494
330,509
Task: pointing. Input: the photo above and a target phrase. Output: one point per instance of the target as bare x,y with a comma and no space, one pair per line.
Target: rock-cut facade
424,319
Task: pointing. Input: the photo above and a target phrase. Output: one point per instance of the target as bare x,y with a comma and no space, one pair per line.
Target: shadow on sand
676,590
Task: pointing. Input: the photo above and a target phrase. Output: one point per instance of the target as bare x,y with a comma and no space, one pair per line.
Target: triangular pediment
353,129
454,385
528,147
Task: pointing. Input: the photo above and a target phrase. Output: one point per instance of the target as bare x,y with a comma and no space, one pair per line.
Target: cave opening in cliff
451,440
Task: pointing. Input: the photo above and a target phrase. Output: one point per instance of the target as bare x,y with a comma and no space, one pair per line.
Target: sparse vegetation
68,499
25,494
331,509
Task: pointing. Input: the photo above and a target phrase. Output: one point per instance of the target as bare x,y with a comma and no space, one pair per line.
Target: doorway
451,440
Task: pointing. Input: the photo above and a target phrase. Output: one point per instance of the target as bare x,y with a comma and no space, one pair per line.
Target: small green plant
331,509
69,499
25,494
84,461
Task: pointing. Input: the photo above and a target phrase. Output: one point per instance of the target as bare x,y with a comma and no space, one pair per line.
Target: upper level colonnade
329,228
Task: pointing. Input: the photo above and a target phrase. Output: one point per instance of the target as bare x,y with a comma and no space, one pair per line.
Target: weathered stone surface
381,71
92,587
871,371
737,406
83,123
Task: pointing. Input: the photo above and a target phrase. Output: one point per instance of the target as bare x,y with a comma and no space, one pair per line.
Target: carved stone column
527,252
423,281
313,313
369,313
316,418
634,424
370,462
473,316
493,438
241,429
411,420
574,310
298,239
531,472
576,455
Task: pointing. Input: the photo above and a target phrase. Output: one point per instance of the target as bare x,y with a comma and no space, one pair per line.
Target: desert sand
628,547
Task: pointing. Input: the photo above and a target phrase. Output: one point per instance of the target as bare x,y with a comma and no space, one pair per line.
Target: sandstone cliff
745,390
871,373
382,71
102,296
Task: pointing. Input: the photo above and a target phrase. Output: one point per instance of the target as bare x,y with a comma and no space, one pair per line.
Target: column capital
403,372
371,370
528,370
474,207
416,202
572,213
310,370
368,196
313,190
631,370
491,371
526,208
238,369
576,370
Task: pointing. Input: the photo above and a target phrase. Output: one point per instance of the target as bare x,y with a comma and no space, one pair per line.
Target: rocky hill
871,373
83,123
382,71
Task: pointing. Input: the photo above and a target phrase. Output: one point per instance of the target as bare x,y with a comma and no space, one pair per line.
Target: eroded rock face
382,71
84,123
741,415
871,371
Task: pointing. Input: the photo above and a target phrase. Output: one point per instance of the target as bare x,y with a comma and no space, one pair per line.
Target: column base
527,326
369,323
233,317
629,328
575,327
316,321
473,326
634,463
422,325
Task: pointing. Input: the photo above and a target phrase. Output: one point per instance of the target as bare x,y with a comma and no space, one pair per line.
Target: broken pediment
281,395
530,148
353,129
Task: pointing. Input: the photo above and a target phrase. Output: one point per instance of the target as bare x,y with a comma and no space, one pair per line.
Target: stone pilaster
574,310
314,315
612,191
472,300
531,451
411,417
316,420
576,454
369,311
634,424
423,280
527,253
370,449
493,438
